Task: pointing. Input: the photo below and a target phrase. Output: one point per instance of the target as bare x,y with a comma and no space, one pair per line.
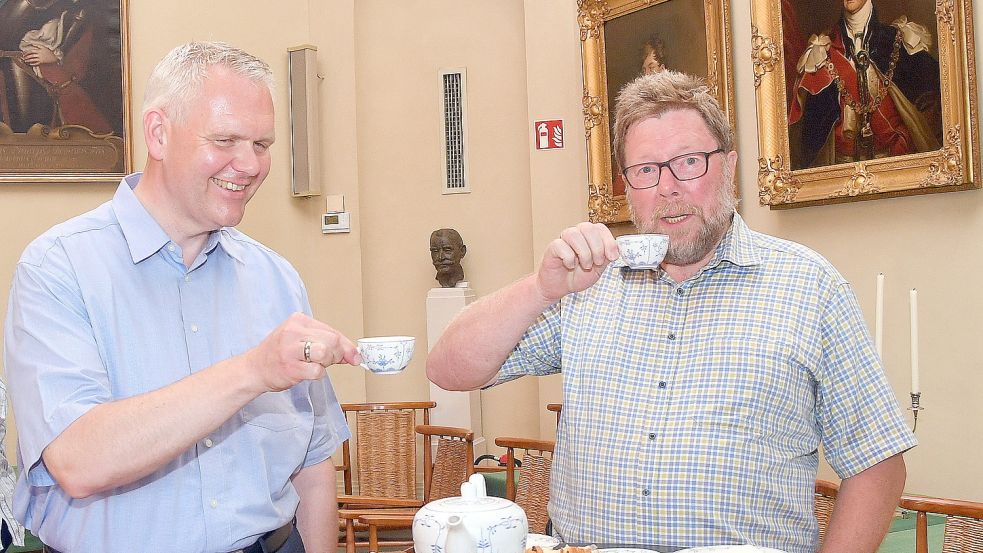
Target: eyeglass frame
666,163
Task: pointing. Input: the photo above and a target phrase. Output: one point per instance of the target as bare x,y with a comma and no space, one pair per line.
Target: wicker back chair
385,447
963,523
448,461
532,493
825,501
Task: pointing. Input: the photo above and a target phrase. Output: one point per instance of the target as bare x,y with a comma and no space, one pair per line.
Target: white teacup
642,251
386,354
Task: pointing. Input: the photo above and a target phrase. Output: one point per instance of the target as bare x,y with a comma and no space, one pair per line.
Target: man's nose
668,183
246,160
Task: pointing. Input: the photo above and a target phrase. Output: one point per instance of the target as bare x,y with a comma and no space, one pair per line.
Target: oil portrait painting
63,90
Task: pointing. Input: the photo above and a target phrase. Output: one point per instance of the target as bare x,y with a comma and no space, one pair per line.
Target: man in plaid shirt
696,396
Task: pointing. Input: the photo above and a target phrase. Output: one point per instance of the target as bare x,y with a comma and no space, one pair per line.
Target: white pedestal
461,409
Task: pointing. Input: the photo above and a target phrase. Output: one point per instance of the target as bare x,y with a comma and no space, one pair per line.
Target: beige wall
381,149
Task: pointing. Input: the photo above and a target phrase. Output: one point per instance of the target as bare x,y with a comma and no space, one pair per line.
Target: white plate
625,550
541,540
730,549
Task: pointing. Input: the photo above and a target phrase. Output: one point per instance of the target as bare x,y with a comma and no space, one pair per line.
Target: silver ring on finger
307,351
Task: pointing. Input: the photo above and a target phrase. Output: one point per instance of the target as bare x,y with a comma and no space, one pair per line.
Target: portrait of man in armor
61,67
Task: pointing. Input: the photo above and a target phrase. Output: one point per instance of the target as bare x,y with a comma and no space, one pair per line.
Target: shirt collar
736,247
144,236
857,22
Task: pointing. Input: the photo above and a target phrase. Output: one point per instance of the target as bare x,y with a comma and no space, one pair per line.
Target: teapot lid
473,499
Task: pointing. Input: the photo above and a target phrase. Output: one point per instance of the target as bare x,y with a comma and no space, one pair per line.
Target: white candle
913,306
879,317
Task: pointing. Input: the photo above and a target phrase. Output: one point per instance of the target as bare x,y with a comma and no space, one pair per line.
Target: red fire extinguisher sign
548,134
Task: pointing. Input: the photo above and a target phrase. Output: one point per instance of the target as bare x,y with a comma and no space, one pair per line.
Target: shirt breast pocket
276,411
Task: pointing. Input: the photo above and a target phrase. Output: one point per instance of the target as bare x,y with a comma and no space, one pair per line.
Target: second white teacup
386,354
642,251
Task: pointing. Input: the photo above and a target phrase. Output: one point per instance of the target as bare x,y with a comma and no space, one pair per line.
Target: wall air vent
454,109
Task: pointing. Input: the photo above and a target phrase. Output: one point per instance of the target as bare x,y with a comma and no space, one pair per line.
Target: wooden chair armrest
351,501
387,521
489,469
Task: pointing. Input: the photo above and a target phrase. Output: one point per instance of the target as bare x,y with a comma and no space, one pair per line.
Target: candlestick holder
916,406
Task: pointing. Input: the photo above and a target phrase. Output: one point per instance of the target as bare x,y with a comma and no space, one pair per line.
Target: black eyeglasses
684,167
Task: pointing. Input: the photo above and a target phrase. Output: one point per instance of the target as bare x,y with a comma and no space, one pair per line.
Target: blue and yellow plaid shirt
693,412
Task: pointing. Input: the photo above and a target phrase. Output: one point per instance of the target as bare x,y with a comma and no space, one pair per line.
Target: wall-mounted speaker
305,122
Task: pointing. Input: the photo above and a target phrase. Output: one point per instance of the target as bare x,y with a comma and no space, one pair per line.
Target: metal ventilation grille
454,109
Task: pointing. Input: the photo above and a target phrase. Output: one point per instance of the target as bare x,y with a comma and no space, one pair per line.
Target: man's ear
464,250
155,127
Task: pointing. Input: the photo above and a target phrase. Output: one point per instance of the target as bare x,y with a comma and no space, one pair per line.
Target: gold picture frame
64,91
901,137
622,38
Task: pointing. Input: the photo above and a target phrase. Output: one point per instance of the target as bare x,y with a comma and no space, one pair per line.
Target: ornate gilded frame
604,203
62,150
955,166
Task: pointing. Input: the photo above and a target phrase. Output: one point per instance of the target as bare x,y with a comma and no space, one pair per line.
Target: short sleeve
538,352
48,339
857,411
330,427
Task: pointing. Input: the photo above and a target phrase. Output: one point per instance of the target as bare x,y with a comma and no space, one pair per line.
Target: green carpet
901,536
31,544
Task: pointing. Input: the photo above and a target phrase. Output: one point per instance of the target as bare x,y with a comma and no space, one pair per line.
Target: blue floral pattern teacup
386,354
642,251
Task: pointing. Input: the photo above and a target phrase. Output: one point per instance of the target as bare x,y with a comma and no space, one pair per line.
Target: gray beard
709,236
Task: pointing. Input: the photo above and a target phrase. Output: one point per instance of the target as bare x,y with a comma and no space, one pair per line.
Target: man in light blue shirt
168,380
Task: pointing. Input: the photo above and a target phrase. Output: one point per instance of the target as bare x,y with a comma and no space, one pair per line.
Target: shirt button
646,492
679,292
194,328
170,248
208,442
214,503
187,278
651,435
672,336
662,384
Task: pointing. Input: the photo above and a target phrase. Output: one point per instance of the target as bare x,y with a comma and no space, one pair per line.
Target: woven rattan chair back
386,453
385,449
963,525
451,463
825,501
963,535
532,492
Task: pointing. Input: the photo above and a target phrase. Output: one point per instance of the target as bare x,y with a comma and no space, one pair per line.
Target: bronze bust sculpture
446,250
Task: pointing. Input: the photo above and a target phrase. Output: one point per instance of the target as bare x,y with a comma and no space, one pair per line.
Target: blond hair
178,77
652,95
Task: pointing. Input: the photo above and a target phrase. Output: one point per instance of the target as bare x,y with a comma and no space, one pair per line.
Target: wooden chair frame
532,492
439,481
963,525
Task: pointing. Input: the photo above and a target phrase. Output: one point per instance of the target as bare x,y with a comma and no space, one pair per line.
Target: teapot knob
478,481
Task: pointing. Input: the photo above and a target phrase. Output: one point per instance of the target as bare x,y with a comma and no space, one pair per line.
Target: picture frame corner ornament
946,169
776,184
590,16
600,207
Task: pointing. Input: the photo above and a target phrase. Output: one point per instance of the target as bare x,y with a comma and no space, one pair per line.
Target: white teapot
472,523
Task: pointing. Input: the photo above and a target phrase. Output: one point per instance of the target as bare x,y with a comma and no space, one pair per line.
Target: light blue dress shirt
103,308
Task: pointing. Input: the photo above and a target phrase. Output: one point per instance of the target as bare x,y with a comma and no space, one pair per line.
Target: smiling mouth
227,185
675,218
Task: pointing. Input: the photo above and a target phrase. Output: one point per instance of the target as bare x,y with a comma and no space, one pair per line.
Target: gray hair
652,95
179,76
